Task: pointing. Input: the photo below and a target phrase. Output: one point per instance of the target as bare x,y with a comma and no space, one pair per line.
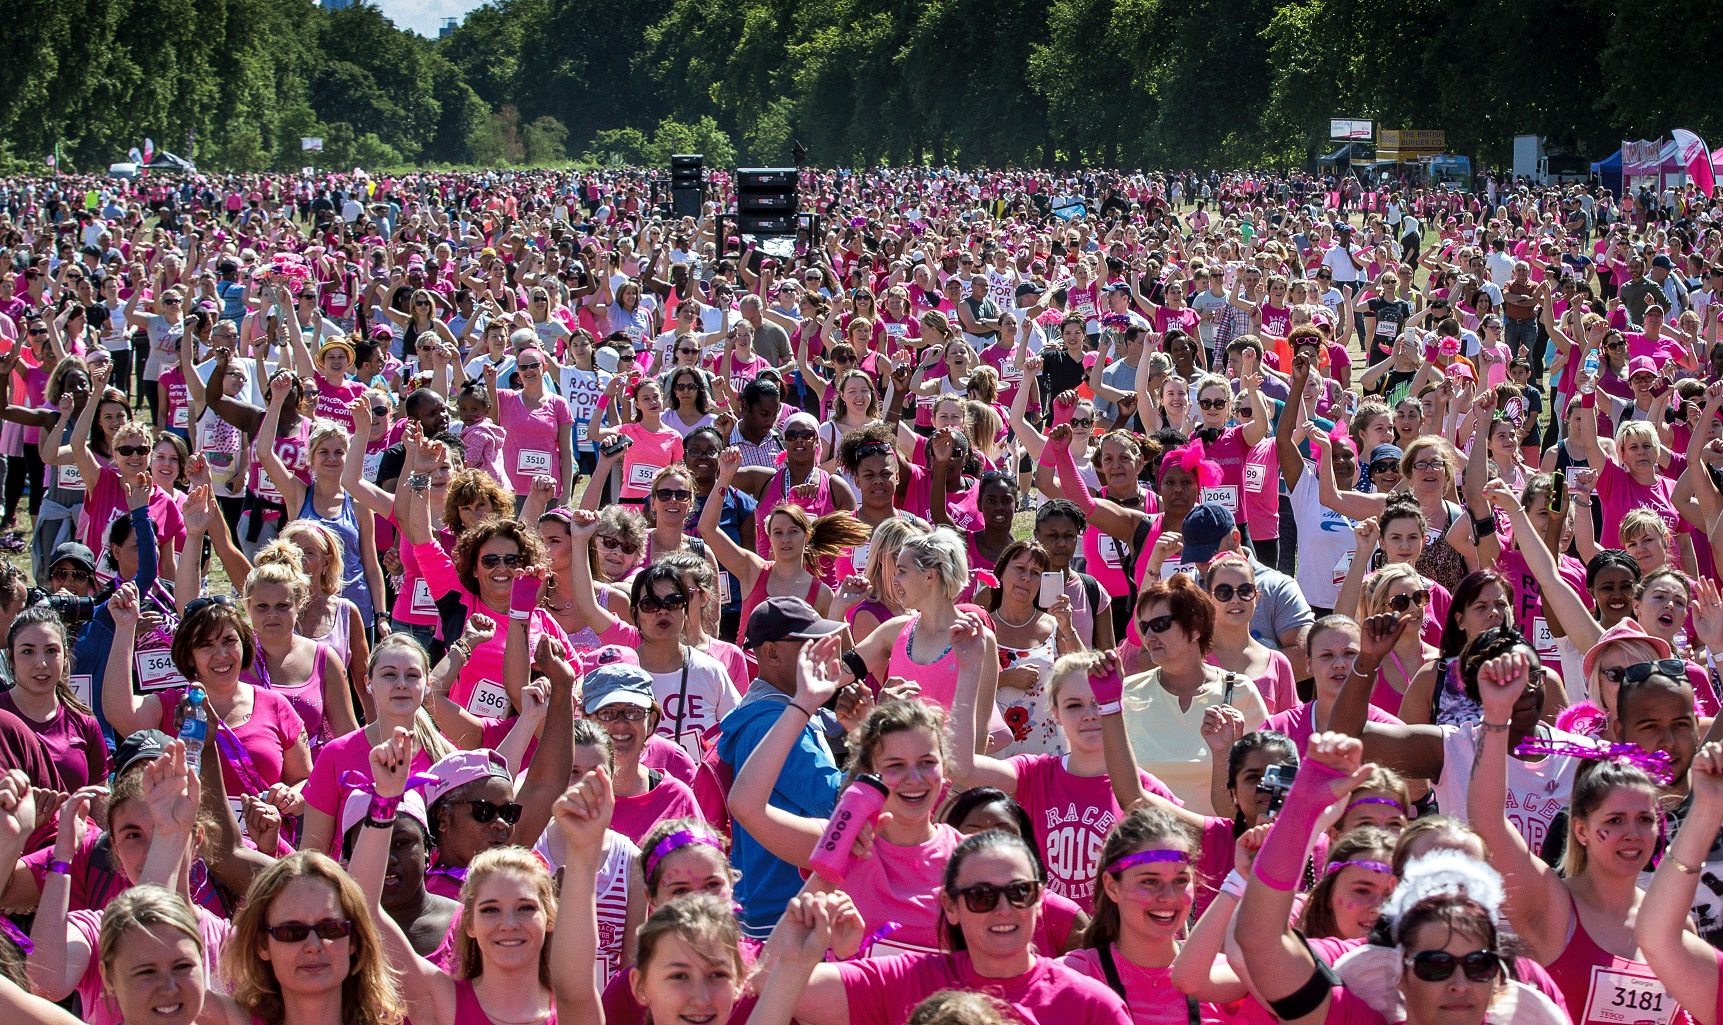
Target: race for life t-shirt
652,451
689,712
1072,816
1536,790
883,991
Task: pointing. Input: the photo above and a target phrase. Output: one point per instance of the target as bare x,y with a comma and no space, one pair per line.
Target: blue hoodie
808,785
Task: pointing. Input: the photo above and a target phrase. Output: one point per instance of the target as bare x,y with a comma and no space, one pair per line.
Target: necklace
1033,614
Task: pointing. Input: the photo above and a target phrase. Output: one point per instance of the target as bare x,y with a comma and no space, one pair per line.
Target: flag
149,150
137,158
310,144
50,160
1696,157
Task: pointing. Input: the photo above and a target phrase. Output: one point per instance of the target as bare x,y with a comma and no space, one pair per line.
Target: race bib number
182,417
489,699
1009,371
533,460
338,298
897,331
1111,555
580,431
71,478
1542,639
1386,328
1621,999
423,603
858,556
156,670
886,948
640,475
1225,494
724,591
266,489
635,335
1170,570
689,741
81,689
1255,476
1343,567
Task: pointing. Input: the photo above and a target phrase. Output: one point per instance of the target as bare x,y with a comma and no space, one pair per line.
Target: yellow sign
1412,141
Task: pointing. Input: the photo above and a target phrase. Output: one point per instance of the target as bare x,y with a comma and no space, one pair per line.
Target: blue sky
425,16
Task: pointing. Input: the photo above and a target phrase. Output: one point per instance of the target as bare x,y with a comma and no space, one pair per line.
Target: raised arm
1537,903
125,711
1685,962
1414,751
1560,600
80,440
582,816
746,565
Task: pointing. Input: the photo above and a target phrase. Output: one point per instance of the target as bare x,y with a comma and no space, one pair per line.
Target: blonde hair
1068,666
1373,596
1444,451
131,427
474,486
425,732
940,550
143,907
982,423
368,995
1640,519
501,861
285,566
323,429
887,540
1643,429
295,534
960,1007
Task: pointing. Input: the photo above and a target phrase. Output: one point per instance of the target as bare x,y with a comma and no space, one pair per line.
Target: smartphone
1052,586
1558,495
615,444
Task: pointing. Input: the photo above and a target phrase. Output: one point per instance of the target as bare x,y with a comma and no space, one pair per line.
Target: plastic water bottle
194,728
1589,370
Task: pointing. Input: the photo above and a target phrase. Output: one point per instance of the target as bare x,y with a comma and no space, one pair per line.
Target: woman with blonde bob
304,951
508,914
870,596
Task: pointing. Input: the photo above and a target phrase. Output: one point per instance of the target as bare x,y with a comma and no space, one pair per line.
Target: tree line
1122,83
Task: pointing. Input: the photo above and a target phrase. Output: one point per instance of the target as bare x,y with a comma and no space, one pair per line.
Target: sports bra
468,1011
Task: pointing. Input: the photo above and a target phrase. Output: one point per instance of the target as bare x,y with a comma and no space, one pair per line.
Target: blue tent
1608,171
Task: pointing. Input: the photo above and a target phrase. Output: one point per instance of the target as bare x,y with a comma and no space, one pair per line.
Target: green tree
545,142
497,139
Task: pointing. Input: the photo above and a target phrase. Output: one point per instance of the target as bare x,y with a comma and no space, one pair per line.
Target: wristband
1495,727
1686,870
1280,863
1108,708
59,868
523,598
1233,885
1588,400
1483,527
382,810
1107,687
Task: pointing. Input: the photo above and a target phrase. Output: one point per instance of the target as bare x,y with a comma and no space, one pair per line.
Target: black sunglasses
1083,424
295,932
492,560
984,897
673,495
1214,403
687,352
485,811
1402,602
1639,672
1385,466
131,450
1439,965
1226,592
800,435
379,410
1157,625
666,603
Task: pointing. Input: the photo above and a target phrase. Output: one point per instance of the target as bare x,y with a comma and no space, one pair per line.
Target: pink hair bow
1339,437
1190,458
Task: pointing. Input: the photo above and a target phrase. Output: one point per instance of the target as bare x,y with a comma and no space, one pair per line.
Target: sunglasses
529,366
673,495
687,352
170,301
131,450
493,560
1402,602
687,386
1439,965
379,410
38,332
662,603
486,811
627,713
295,932
1157,625
1385,466
1639,672
69,573
984,897
846,360
1083,424
1214,403
1615,346
613,544
1227,592
800,435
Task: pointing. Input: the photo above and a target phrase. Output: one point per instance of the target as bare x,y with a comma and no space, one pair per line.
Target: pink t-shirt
1150,993
1072,816
106,502
74,742
883,991
87,925
178,412
1279,690
352,753
480,688
1299,722
531,437
652,451
1229,452
1262,490
333,398
1619,492
272,730
670,799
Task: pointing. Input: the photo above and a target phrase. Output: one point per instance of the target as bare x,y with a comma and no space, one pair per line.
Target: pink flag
1696,157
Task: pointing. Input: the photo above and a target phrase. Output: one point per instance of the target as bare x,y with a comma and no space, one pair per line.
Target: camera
72,610
1276,782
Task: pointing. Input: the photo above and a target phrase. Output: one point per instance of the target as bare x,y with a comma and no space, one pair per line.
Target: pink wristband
1108,687
1280,863
524,597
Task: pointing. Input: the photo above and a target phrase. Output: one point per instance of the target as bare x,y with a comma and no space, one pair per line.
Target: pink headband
1373,866
675,842
1191,459
1147,858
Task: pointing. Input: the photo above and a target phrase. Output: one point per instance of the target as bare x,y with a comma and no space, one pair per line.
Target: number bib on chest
1619,998
423,603
156,670
533,460
1255,476
71,478
1225,494
1343,567
489,699
640,475
1111,551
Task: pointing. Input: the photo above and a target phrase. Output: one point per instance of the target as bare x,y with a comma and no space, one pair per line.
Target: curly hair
474,486
865,442
527,542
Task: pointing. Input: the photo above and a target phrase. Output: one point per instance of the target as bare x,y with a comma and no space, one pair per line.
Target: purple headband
675,842
1656,764
1147,858
1378,800
1373,866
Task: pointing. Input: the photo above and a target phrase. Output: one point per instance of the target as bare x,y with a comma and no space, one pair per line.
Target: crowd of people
1140,599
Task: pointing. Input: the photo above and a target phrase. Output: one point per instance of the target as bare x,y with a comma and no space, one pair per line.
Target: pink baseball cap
1626,630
